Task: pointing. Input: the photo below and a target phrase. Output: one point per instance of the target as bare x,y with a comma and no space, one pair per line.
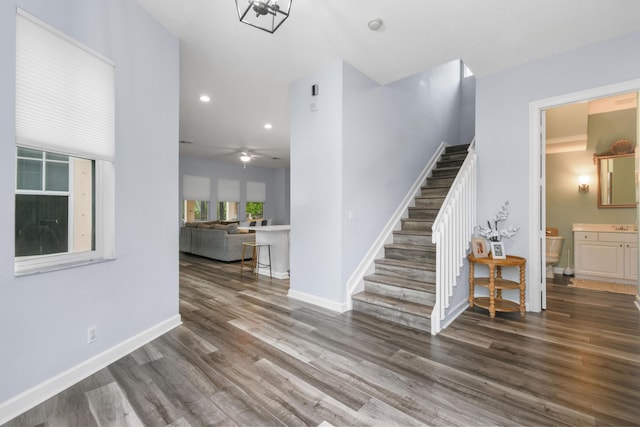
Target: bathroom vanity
606,252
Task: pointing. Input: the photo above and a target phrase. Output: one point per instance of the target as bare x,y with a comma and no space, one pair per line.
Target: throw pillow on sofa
229,228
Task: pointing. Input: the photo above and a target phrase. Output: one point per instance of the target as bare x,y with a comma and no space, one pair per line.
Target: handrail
451,233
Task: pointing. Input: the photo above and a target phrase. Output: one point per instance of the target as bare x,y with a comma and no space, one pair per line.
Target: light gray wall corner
460,293
467,107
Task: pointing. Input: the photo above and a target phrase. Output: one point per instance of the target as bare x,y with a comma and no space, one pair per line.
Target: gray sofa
215,243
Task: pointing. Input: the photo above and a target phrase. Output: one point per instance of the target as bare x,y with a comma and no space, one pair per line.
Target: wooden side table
496,284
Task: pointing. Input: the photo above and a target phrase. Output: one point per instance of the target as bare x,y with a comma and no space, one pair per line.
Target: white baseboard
24,401
453,313
276,274
321,302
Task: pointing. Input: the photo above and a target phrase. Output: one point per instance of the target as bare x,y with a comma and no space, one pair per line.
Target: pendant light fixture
266,15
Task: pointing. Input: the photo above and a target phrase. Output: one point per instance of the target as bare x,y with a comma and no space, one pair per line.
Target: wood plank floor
246,355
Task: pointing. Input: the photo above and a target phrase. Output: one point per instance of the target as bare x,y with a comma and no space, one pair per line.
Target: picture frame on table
497,250
480,247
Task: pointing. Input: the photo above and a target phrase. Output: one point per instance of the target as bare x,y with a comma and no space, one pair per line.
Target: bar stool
255,256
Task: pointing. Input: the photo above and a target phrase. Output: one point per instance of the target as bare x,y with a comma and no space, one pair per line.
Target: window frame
218,211
246,209
43,57
104,215
184,208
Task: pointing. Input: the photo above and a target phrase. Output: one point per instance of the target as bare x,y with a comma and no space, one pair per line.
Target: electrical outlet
92,334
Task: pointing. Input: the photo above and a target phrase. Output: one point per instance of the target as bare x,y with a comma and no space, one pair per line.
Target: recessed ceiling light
205,98
267,126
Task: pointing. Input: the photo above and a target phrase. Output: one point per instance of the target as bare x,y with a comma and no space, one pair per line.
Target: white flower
494,233
503,213
509,231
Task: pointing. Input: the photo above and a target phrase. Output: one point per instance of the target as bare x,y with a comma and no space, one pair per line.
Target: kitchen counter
278,237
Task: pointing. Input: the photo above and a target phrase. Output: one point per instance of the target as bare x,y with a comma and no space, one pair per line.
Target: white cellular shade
228,190
196,188
256,191
65,97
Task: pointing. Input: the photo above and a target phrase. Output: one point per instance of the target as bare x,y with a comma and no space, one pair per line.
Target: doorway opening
538,185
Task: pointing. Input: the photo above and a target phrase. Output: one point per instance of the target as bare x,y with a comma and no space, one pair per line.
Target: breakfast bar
277,237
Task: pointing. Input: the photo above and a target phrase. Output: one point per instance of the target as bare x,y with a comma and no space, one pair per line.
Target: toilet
554,249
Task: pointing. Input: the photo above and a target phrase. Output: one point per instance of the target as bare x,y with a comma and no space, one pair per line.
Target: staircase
402,289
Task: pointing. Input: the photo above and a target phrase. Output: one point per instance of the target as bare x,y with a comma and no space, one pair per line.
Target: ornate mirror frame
621,148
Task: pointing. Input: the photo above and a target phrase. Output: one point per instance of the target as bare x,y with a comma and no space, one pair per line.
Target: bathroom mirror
616,181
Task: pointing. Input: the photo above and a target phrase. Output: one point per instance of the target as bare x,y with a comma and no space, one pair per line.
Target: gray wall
502,120
353,161
44,317
276,180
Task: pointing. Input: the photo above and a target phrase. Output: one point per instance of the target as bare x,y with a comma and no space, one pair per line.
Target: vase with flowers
492,230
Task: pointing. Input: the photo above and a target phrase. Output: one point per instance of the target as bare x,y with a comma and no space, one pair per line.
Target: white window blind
196,188
228,190
65,97
256,191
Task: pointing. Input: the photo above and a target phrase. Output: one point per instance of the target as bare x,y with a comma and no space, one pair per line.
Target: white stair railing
451,233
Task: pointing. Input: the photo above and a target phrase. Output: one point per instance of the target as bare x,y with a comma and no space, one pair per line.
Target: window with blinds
65,148
228,202
196,195
256,196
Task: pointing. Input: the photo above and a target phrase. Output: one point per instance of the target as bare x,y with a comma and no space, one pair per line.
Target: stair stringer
355,283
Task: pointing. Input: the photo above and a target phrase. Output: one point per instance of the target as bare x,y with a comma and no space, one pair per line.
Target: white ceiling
247,72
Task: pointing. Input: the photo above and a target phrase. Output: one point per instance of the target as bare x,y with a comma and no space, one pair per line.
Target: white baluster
452,232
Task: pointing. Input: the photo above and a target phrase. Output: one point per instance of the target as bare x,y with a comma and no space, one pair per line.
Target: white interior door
542,246
638,188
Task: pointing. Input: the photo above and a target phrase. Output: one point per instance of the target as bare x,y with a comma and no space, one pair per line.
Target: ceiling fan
247,156
242,154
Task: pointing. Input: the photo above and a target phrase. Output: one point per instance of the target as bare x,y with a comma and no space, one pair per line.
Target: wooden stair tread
452,161
457,148
418,208
400,282
415,309
418,219
445,168
407,247
402,290
405,264
434,191
434,183
431,197
453,157
413,232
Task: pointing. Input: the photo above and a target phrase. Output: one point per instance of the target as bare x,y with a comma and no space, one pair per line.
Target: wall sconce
583,186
